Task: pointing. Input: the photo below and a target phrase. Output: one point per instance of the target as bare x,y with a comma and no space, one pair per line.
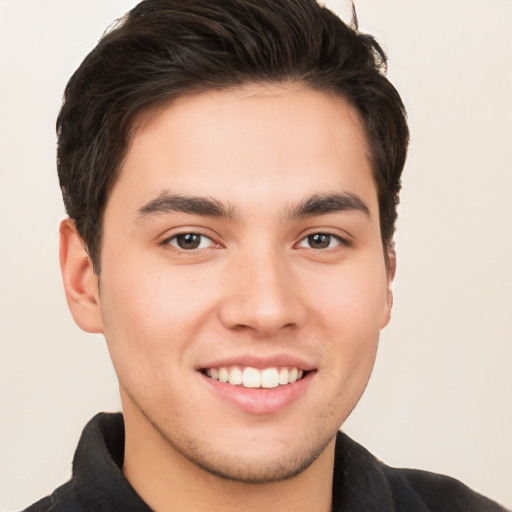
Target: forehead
276,143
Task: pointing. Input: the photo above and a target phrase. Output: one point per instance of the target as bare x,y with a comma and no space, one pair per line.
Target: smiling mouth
254,378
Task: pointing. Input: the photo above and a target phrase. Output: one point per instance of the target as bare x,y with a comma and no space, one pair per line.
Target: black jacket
361,482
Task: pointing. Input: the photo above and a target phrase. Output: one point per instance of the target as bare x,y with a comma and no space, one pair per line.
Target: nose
263,297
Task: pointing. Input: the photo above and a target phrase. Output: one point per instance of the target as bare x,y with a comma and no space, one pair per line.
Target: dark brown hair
163,49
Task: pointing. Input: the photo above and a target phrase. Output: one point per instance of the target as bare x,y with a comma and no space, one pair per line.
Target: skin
255,288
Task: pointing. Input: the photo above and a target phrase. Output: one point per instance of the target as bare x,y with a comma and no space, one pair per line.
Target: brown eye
190,241
321,241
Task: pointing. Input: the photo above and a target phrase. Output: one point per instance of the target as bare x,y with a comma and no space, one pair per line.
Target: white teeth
235,376
254,378
223,375
270,378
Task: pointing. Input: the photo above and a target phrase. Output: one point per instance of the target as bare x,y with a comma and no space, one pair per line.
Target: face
243,280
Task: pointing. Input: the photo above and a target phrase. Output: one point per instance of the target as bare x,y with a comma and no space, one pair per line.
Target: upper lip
259,362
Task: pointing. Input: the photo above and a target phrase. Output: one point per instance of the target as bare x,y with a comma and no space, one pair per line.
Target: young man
231,173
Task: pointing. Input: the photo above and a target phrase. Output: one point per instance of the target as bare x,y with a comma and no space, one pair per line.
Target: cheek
350,312
353,299
354,322
149,316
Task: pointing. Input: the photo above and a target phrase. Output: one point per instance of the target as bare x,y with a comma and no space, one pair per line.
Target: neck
168,482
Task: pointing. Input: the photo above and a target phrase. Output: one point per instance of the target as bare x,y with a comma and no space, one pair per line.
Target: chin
257,466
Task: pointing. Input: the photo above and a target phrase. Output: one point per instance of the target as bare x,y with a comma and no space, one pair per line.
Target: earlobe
391,271
80,280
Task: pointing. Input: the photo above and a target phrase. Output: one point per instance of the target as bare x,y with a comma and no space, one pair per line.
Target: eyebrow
323,204
193,205
318,204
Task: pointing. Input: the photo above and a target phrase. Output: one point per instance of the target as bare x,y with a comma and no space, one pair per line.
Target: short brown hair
163,49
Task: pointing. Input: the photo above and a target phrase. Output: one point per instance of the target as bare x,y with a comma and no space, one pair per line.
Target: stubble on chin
234,467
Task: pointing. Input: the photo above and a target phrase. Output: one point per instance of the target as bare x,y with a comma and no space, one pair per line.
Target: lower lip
261,400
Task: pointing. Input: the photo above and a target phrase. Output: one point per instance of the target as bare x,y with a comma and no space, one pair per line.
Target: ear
391,271
79,278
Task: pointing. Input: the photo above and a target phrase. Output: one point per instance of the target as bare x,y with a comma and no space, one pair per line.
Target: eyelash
175,237
343,242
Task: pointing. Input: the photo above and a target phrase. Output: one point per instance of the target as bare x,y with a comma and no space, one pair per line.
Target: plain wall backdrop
440,397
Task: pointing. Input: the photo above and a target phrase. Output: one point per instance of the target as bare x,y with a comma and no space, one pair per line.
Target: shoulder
360,474
438,492
97,477
63,499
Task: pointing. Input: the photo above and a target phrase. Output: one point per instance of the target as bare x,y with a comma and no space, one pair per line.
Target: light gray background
440,397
